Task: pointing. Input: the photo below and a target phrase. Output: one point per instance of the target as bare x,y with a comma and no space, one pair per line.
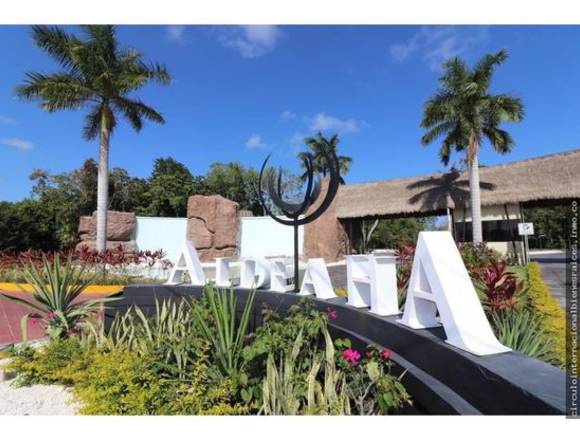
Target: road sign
526,228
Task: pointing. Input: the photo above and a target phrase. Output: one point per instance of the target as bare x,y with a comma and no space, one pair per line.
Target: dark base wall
441,378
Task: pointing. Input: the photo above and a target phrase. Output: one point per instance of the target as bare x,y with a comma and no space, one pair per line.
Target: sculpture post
293,211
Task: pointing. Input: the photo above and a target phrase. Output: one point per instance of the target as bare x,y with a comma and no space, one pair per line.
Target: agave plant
523,332
219,324
56,287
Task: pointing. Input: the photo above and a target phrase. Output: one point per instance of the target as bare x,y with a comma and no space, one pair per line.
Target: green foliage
548,309
52,363
56,287
464,111
318,145
216,320
289,392
370,385
523,331
477,257
235,182
27,224
393,233
170,185
551,226
122,382
197,358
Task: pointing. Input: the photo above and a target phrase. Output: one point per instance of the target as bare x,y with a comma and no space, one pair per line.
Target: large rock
325,237
120,226
213,226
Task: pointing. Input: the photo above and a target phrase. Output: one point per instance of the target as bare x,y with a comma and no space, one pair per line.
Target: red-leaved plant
500,286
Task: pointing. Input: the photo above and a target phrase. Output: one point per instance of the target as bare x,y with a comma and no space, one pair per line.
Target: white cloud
175,32
255,141
296,141
323,122
251,41
288,115
20,144
436,44
7,120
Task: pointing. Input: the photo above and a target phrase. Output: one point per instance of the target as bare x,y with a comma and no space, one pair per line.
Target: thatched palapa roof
552,177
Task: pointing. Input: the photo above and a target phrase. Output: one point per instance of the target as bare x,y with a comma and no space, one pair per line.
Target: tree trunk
475,196
103,191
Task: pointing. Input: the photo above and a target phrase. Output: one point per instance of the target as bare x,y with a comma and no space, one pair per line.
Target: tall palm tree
319,144
465,113
100,76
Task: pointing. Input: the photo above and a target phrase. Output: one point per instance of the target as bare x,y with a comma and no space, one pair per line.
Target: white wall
165,233
264,237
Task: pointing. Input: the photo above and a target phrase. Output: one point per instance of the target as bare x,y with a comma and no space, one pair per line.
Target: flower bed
197,357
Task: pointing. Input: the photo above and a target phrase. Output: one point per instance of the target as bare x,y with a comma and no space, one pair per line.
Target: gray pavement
553,265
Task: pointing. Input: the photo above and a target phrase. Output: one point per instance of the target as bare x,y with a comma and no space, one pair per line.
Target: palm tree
100,76
319,144
465,113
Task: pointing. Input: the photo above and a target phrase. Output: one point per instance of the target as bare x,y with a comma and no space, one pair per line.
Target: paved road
553,266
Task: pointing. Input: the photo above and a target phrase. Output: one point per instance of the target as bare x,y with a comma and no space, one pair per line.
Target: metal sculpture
294,211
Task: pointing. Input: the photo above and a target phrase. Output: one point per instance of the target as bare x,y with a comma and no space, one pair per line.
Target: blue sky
240,93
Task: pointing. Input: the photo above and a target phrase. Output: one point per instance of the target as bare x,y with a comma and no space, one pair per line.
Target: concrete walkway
553,265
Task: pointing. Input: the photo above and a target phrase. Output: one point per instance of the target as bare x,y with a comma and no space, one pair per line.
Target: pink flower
385,354
351,356
50,315
330,313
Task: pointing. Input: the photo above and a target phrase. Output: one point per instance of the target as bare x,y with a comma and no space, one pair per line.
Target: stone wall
325,237
213,226
120,230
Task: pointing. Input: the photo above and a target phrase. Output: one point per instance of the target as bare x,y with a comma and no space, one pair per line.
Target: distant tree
27,224
170,185
99,75
465,112
392,233
235,182
551,226
318,145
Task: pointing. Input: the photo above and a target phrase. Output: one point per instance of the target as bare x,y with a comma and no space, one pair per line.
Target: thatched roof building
553,177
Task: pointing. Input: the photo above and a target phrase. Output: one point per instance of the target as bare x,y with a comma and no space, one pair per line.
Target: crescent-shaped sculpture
295,213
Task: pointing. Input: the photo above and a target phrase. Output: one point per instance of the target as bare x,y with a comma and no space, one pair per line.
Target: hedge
545,305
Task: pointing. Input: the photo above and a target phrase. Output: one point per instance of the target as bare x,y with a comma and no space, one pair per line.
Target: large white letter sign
372,282
439,281
254,273
316,280
383,277
279,276
358,280
188,262
222,272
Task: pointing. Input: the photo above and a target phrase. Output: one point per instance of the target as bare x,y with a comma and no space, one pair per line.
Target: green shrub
523,331
546,306
121,382
52,363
